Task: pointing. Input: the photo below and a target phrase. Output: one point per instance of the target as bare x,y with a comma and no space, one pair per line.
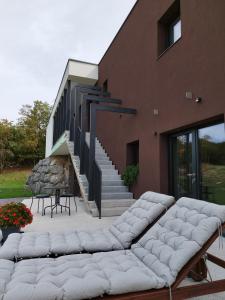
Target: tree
6,153
32,126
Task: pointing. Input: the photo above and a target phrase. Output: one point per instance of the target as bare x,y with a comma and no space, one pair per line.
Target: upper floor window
175,31
169,27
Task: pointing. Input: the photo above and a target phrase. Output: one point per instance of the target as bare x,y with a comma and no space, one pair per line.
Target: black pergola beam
80,92
101,99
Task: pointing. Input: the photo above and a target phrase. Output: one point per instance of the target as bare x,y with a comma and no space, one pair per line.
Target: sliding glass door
183,163
212,163
197,163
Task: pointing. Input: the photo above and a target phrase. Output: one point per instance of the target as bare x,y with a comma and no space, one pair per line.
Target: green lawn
12,183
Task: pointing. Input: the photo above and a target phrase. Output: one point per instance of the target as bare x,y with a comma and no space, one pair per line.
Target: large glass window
198,163
212,163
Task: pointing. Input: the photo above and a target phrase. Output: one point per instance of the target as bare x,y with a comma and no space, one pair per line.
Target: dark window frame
165,27
196,145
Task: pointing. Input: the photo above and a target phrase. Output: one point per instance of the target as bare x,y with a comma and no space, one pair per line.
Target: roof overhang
79,72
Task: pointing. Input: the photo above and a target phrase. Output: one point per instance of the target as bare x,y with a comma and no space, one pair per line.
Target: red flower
15,214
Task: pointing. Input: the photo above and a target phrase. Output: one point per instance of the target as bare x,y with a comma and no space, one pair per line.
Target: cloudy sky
38,36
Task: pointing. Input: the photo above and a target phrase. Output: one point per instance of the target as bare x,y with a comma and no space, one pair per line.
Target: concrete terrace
77,220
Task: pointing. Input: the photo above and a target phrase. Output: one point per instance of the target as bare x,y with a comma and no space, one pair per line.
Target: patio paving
83,220
60,222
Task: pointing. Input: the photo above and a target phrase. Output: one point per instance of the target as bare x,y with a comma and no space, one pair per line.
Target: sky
38,36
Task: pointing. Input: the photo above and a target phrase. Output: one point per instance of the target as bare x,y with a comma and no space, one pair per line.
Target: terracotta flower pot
8,230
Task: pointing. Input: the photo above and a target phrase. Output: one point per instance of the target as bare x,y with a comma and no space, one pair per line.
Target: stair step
104,162
110,177
122,195
109,212
107,167
113,203
112,182
113,196
103,155
114,189
109,172
110,189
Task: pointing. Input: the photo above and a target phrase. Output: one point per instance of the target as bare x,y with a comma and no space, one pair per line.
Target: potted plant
130,175
13,216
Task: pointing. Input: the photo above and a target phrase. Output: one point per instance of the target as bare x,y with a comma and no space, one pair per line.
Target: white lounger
152,263
119,235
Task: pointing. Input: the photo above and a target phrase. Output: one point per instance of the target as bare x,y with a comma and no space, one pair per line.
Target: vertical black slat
59,119
72,110
62,114
82,136
76,122
64,110
63,120
56,125
68,97
61,123
86,160
54,128
97,186
92,149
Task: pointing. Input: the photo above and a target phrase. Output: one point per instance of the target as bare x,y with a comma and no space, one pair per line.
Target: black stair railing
86,160
97,187
96,184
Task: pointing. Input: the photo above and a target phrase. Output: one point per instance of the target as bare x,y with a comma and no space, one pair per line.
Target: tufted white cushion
34,244
119,236
152,263
75,277
177,236
142,213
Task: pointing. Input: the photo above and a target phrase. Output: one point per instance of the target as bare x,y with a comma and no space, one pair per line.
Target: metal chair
39,197
69,196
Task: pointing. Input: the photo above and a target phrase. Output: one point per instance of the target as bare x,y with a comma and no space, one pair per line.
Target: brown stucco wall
143,81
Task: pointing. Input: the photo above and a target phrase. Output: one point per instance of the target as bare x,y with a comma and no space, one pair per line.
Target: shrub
130,174
15,214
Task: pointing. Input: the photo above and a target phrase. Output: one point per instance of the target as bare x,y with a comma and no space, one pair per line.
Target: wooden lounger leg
199,272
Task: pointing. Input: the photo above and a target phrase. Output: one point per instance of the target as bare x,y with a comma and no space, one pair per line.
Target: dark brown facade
156,85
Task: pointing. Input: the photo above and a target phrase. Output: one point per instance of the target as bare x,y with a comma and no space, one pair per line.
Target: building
167,63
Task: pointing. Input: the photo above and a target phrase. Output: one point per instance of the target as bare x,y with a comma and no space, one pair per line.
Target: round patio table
56,190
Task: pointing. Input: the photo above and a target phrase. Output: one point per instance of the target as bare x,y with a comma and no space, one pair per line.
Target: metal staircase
101,185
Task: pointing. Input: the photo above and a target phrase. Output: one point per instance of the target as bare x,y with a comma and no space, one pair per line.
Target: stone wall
51,171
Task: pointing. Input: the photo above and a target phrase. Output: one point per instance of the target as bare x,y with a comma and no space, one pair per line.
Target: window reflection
212,163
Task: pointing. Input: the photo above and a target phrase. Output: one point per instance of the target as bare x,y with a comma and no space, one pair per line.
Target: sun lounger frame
180,293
